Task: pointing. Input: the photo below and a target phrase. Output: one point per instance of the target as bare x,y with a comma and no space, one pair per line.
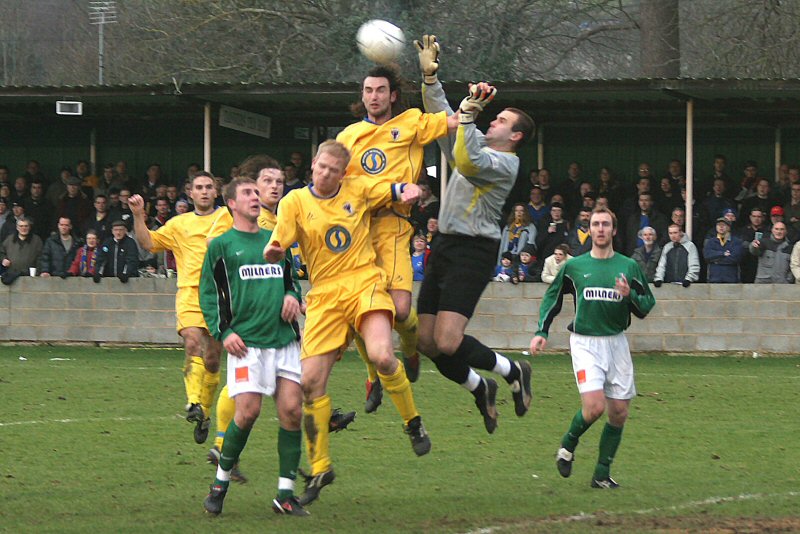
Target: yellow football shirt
333,233
393,150
187,236
266,219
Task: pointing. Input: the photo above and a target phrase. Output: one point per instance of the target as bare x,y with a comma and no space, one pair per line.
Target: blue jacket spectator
723,254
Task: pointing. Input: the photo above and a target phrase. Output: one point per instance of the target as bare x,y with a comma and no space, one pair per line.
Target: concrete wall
704,317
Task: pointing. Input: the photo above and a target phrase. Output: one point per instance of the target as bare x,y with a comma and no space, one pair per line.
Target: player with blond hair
348,291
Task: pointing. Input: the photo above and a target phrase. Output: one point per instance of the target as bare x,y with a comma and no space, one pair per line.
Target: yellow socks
316,415
408,333
399,389
208,391
193,372
362,351
226,408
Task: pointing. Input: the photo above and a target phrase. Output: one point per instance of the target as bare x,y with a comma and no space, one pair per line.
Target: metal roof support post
540,147
777,153
207,137
689,165
314,143
93,150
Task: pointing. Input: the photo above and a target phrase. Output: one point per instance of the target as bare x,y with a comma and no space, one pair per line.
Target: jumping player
462,261
607,288
187,237
388,145
330,221
251,307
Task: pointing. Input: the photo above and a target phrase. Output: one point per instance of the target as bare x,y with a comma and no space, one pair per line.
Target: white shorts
257,372
603,362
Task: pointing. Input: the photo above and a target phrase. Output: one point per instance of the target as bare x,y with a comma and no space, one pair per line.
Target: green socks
576,429
609,442
289,450
235,440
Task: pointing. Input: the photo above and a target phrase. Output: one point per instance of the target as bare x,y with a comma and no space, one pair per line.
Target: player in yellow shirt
187,236
388,144
330,219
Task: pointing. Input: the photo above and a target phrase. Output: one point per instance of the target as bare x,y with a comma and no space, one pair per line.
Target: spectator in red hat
776,215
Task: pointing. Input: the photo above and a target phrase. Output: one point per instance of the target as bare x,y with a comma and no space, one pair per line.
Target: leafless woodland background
51,42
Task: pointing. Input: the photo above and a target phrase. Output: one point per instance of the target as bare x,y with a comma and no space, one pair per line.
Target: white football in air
380,41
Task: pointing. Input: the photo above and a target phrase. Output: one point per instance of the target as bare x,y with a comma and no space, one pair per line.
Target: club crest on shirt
395,134
338,239
373,161
348,208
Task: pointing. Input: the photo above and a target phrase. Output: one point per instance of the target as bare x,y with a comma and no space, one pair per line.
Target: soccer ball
380,41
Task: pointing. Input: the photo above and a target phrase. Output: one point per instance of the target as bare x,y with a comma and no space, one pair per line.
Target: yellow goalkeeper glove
480,94
428,51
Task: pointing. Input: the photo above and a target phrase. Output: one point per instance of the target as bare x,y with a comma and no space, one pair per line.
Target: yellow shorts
391,239
336,307
187,309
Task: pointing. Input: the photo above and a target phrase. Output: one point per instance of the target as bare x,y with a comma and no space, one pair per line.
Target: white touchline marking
588,517
90,420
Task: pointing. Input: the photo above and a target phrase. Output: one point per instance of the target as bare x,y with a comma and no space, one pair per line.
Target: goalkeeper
462,262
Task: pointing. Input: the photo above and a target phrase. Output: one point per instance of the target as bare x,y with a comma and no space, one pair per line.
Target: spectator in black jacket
10,225
100,221
118,255
59,251
38,208
553,230
644,216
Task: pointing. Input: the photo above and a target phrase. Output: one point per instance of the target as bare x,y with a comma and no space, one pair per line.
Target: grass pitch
93,440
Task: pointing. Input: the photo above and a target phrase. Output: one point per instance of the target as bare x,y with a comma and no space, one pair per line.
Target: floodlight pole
100,14
100,66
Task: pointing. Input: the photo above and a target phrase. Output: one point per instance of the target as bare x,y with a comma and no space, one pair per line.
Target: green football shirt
600,310
240,292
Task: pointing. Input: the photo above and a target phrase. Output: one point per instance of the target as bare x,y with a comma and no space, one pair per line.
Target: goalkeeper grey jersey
481,179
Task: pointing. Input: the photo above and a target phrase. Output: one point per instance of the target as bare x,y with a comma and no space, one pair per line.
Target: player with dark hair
462,262
607,287
348,291
266,172
388,144
251,307
187,236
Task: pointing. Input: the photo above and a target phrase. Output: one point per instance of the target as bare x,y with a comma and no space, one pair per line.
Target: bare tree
213,41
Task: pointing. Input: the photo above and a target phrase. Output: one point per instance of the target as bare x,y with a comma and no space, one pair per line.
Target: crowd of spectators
79,224
745,228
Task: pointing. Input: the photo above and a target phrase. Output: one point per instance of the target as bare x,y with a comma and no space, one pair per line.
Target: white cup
33,271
